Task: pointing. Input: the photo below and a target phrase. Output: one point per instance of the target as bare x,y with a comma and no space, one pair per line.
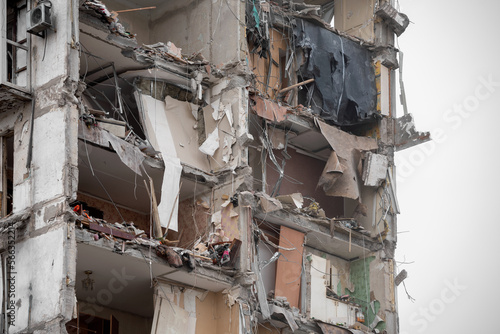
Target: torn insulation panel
161,136
346,157
344,89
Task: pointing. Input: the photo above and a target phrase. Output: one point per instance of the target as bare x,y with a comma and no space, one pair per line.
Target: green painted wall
360,277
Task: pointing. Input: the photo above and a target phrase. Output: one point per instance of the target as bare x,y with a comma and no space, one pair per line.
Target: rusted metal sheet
268,109
289,267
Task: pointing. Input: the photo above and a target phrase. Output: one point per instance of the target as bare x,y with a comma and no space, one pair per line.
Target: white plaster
22,196
41,287
160,136
49,156
211,144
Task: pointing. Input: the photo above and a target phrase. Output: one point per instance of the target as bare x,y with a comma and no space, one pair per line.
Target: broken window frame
6,154
113,324
13,46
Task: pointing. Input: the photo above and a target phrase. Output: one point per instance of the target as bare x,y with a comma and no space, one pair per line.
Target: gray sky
447,189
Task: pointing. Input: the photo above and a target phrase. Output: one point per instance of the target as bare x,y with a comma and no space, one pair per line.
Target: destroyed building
200,166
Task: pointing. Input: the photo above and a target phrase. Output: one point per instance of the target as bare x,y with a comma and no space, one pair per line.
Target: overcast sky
448,188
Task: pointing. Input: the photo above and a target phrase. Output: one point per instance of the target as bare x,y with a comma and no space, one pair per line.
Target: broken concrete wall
228,112
210,27
356,18
50,181
43,285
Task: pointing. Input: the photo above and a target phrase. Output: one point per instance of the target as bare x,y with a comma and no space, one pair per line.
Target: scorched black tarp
344,90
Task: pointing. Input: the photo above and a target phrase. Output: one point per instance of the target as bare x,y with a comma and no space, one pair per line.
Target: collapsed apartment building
200,166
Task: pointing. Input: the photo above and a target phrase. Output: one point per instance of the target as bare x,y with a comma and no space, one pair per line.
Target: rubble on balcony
108,17
126,234
168,52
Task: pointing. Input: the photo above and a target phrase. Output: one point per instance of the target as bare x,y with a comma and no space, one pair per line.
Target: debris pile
170,51
108,17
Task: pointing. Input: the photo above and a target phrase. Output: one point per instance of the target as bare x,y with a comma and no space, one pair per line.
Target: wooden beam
295,86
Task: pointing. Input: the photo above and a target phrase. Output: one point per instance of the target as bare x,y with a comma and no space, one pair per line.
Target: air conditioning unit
39,19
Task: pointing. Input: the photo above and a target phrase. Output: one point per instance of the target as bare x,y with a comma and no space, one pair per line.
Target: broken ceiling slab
296,200
396,20
99,10
406,135
102,174
287,314
129,154
167,51
333,329
341,70
12,98
319,236
173,75
348,149
268,203
199,176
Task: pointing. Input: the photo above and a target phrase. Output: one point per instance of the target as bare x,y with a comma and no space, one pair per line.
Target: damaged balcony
155,161
322,108
122,271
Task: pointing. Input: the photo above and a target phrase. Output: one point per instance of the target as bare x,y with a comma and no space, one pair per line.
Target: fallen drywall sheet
294,199
289,267
348,149
341,70
160,136
217,131
170,318
229,221
129,154
183,127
